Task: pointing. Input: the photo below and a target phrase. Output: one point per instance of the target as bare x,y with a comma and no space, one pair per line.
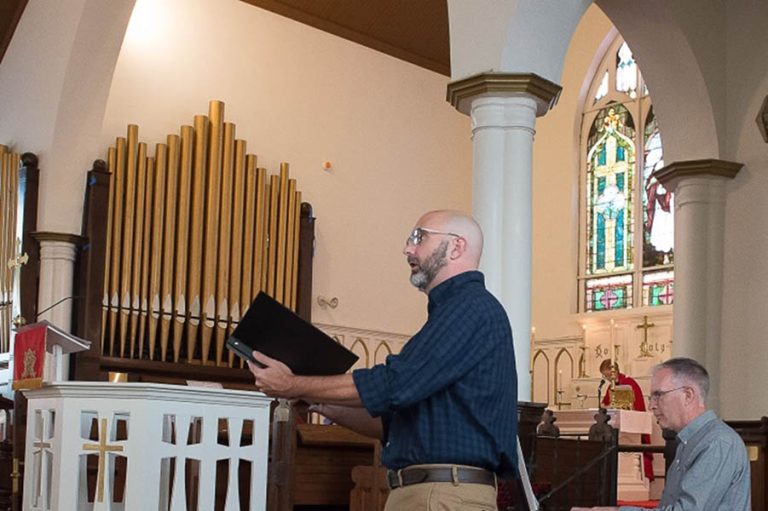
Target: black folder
278,332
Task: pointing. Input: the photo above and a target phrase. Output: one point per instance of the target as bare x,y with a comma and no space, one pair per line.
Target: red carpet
648,504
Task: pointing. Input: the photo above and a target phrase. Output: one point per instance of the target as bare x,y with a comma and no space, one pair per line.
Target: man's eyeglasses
655,396
418,233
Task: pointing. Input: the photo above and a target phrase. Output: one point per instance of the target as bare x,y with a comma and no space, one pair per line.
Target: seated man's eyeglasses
418,233
655,396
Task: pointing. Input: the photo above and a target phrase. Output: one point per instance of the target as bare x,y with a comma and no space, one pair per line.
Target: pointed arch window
627,256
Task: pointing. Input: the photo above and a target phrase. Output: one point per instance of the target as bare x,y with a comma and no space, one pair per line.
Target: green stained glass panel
609,293
658,288
610,178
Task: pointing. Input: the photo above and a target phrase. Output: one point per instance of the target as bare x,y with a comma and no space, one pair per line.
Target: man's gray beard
428,269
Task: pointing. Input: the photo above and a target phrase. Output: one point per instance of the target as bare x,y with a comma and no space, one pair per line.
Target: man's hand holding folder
276,379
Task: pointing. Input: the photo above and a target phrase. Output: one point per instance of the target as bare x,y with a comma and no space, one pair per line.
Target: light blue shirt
710,471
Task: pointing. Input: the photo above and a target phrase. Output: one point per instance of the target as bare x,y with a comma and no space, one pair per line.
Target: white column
699,188
502,134
503,108
57,264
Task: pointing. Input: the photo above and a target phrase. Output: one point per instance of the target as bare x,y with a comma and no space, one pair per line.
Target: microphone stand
599,394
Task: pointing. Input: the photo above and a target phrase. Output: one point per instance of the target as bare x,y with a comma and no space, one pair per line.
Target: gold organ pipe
249,228
118,219
274,191
138,243
180,291
5,234
156,258
7,242
5,237
5,226
212,213
225,239
14,242
195,236
15,238
289,241
128,233
4,242
282,227
169,239
145,253
238,205
111,155
296,241
261,248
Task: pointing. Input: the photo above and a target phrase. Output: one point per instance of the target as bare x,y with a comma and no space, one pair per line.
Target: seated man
710,471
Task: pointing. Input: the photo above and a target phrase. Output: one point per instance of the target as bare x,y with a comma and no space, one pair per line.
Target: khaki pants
442,497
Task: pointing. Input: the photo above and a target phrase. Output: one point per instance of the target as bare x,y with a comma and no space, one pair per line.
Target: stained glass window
609,293
603,89
628,225
626,71
610,160
658,222
658,288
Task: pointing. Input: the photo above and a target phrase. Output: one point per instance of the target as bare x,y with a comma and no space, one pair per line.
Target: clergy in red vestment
638,405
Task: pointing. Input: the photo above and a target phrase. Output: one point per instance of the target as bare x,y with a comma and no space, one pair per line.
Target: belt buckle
394,479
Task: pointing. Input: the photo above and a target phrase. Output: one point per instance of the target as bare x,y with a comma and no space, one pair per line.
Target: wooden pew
755,436
325,458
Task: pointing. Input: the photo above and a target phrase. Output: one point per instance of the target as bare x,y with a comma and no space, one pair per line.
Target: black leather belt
447,474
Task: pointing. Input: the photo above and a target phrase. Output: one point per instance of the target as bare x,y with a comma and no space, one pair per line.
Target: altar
632,483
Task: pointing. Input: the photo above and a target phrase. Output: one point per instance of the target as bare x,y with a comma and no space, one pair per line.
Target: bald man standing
445,407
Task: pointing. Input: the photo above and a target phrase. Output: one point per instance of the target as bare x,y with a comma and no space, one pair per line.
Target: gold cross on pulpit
103,449
644,351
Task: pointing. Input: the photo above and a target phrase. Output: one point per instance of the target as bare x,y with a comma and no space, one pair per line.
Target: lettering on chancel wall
565,371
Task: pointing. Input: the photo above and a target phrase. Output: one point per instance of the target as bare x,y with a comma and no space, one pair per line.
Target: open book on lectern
276,331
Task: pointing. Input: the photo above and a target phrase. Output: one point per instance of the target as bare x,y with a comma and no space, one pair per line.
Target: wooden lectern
31,367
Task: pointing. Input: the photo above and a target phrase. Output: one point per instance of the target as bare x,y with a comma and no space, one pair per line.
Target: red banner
29,357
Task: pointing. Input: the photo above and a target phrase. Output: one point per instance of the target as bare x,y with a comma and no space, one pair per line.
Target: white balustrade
159,446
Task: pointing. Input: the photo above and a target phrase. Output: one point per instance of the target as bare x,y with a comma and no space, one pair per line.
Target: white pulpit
631,481
175,442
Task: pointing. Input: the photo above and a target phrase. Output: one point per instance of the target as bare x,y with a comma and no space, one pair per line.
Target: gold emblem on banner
30,359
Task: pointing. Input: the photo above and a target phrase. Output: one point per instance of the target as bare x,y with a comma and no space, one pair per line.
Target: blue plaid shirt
450,396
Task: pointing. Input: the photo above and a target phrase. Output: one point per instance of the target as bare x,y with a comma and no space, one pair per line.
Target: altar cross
644,351
103,449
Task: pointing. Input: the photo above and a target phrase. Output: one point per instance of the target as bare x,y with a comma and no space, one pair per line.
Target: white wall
745,279
300,95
